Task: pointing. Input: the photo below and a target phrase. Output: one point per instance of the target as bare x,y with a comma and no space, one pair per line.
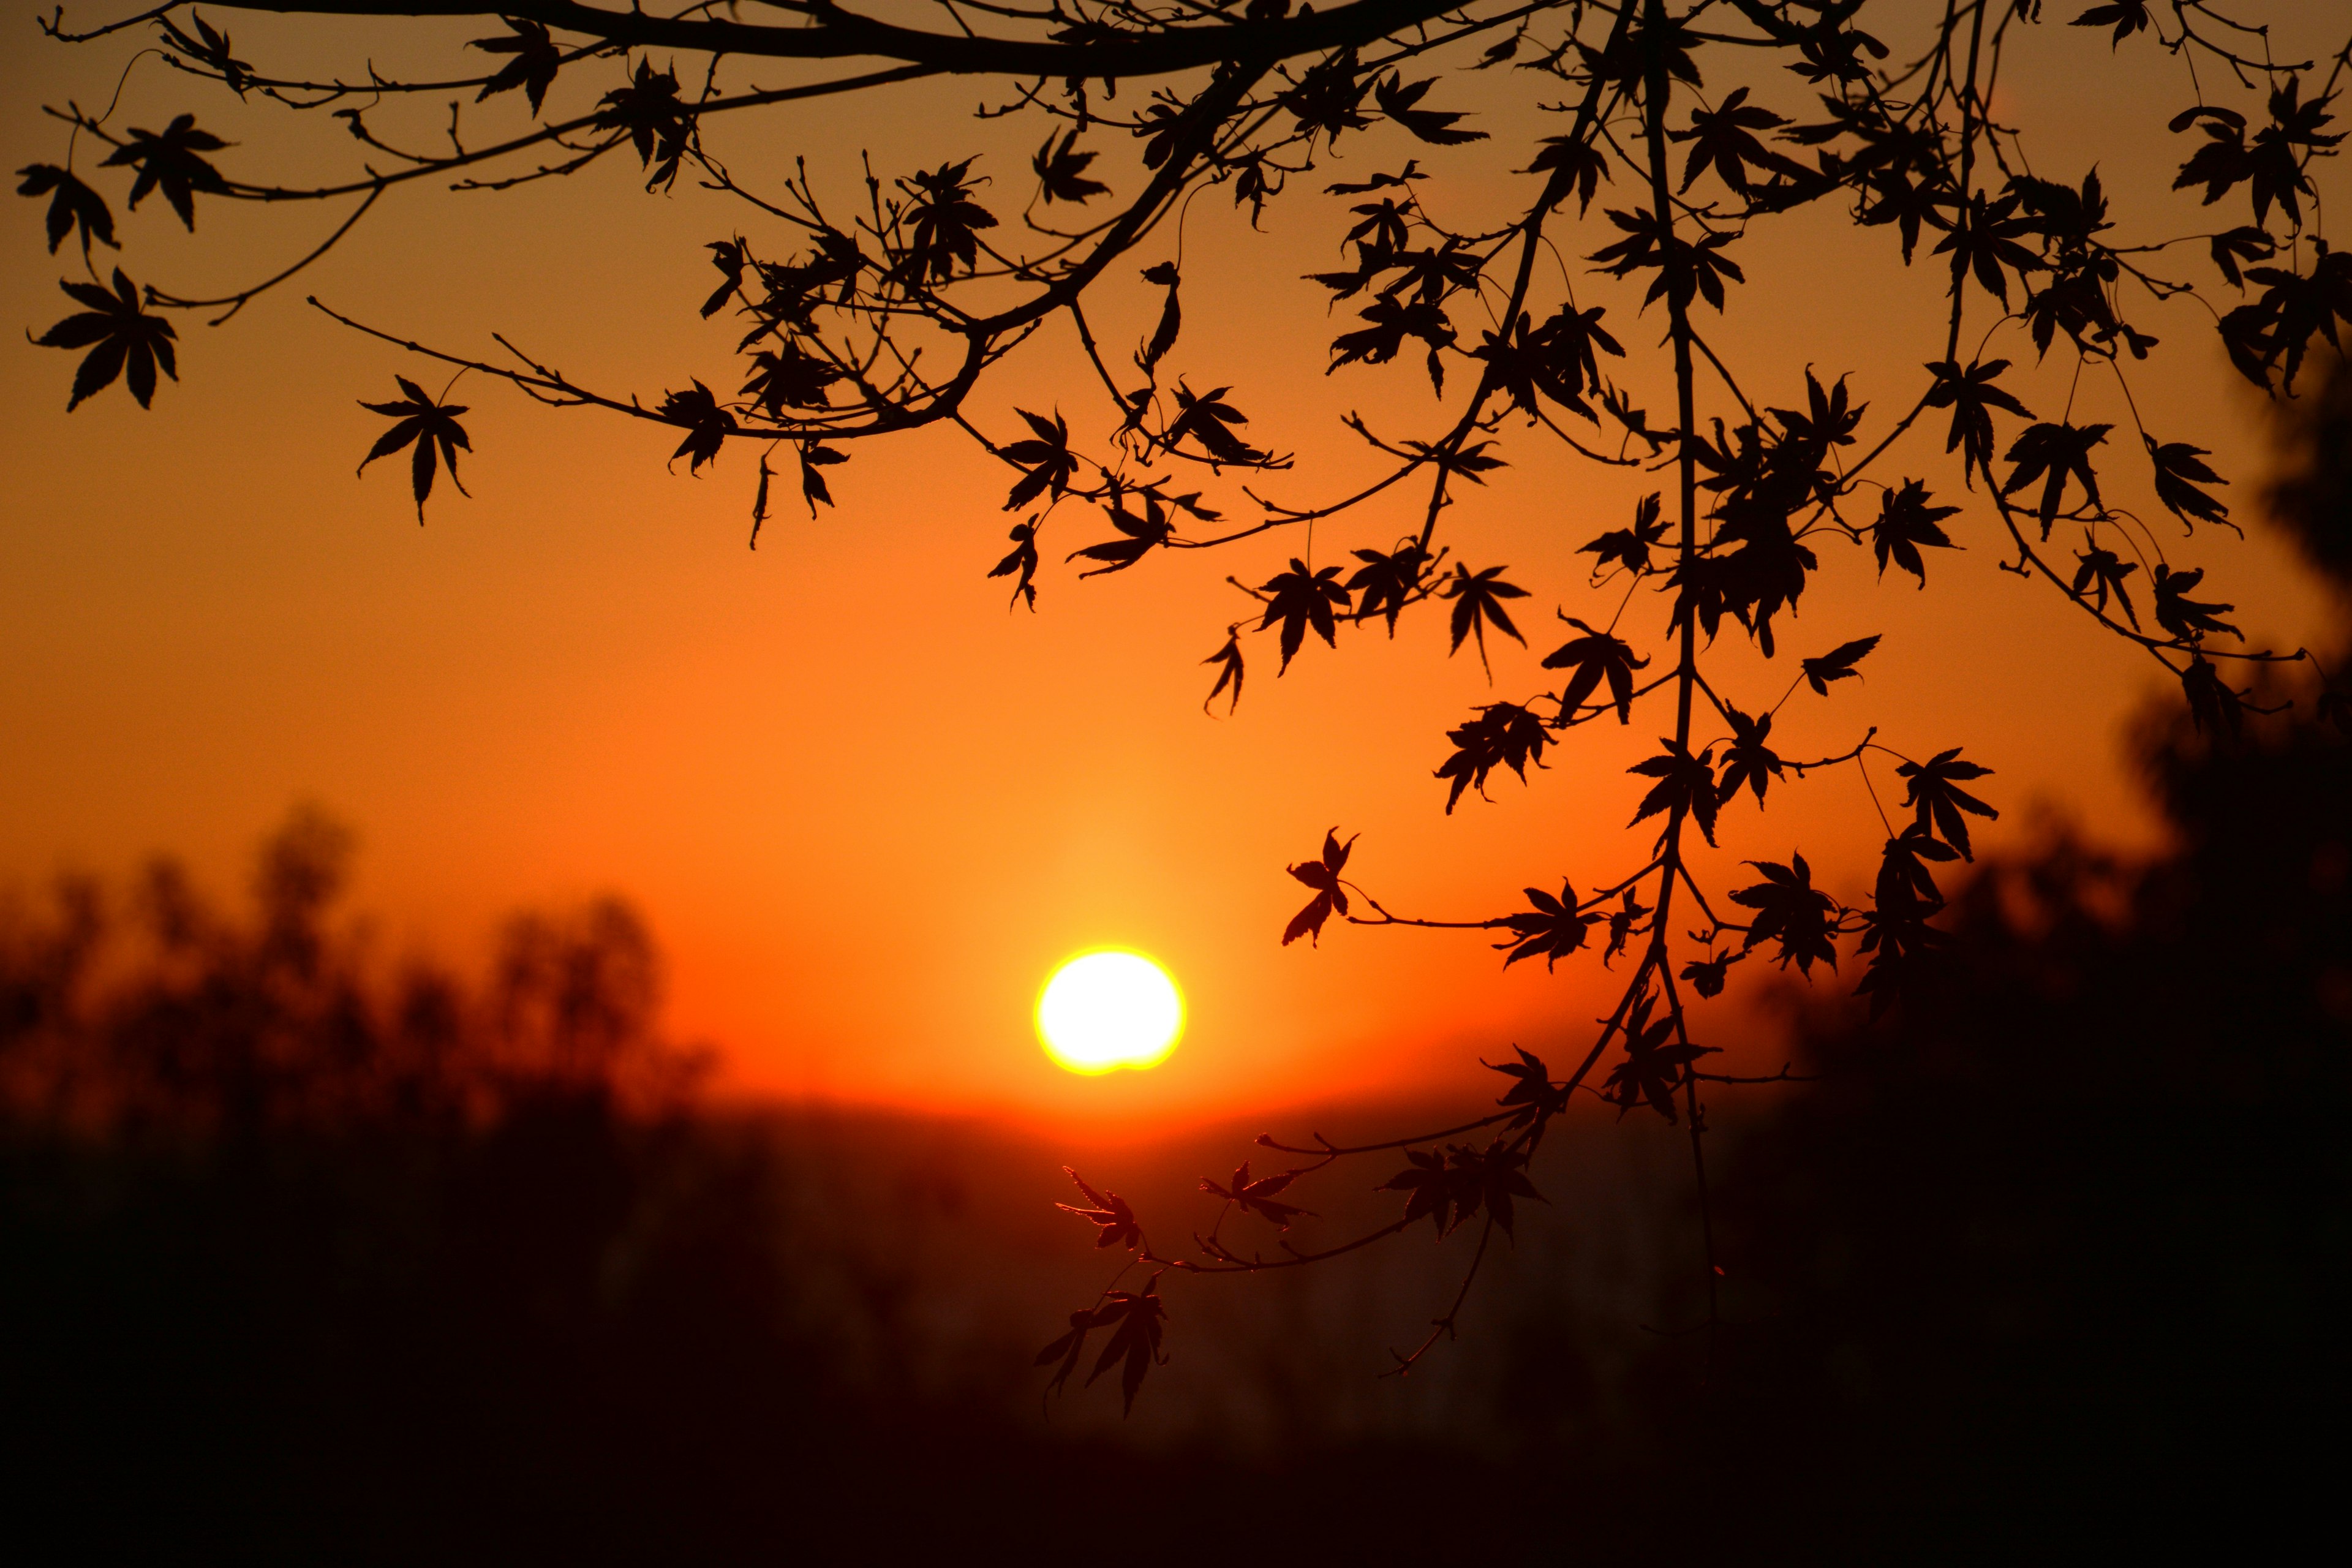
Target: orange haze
865,807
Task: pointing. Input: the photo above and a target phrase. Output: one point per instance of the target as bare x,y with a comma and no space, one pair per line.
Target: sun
1109,1009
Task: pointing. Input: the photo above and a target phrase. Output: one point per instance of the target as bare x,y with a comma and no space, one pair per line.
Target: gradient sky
865,807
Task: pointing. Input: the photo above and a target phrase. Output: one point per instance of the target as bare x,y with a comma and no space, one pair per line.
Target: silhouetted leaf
1383,583
1791,911
2212,703
2126,16
1685,787
119,336
1624,924
1113,1220
1022,558
1323,876
1630,546
659,126
1228,659
706,423
2053,453
71,203
1595,657
1707,975
1838,664
1141,534
1397,100
1061,171
536,59
1906,523
1531,1089
1171,318
1203,417
1503,735
1259,1196
1299,599
790,377
1550,928
2101,571
1934,791
1048,459
1970,394
1747,760
815,458
1652,1070
1725,137
1477,602
169,161
2184,617
2178,474
428,424
1134,1342
944,225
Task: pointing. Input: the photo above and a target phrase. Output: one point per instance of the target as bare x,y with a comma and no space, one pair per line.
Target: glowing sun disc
1109,1009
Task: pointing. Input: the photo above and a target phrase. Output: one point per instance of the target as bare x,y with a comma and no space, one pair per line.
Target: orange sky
865,807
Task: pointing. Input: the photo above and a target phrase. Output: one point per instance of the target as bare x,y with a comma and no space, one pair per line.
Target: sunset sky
867,807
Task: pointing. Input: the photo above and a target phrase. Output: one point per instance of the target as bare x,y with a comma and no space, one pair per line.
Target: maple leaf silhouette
1203,417
1685,787
2212,704
1134,1342
1022,558
1707,975
2186,619
1323,876
2101,571
1597,655
944,224
1453,1186
1550,928
1684,269
1576,165
1113,1220
1531,1089
1070,1346
1048,459
789,378
707,425
1397,101
1727,139
71,205
2126,16
533,67
1622,924
210,46
1630,546
430,425
1062,172
1155,527
2178,474
815,458
1478,603
121,338
1652,1070
1747,760
1934,791
1986,239
1229,660
1299,599
2233,246
2053,453
1906,521
169,161
1970,394
1383,583
1259,1196
1904,883
659,125
1503,735
1791,911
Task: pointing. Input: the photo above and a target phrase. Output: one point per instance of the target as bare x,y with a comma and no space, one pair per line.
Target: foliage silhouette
933,268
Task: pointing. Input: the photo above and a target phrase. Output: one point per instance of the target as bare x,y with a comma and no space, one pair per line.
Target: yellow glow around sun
1109,1009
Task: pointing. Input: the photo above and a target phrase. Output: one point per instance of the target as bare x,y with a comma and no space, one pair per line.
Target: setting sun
1109,1009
